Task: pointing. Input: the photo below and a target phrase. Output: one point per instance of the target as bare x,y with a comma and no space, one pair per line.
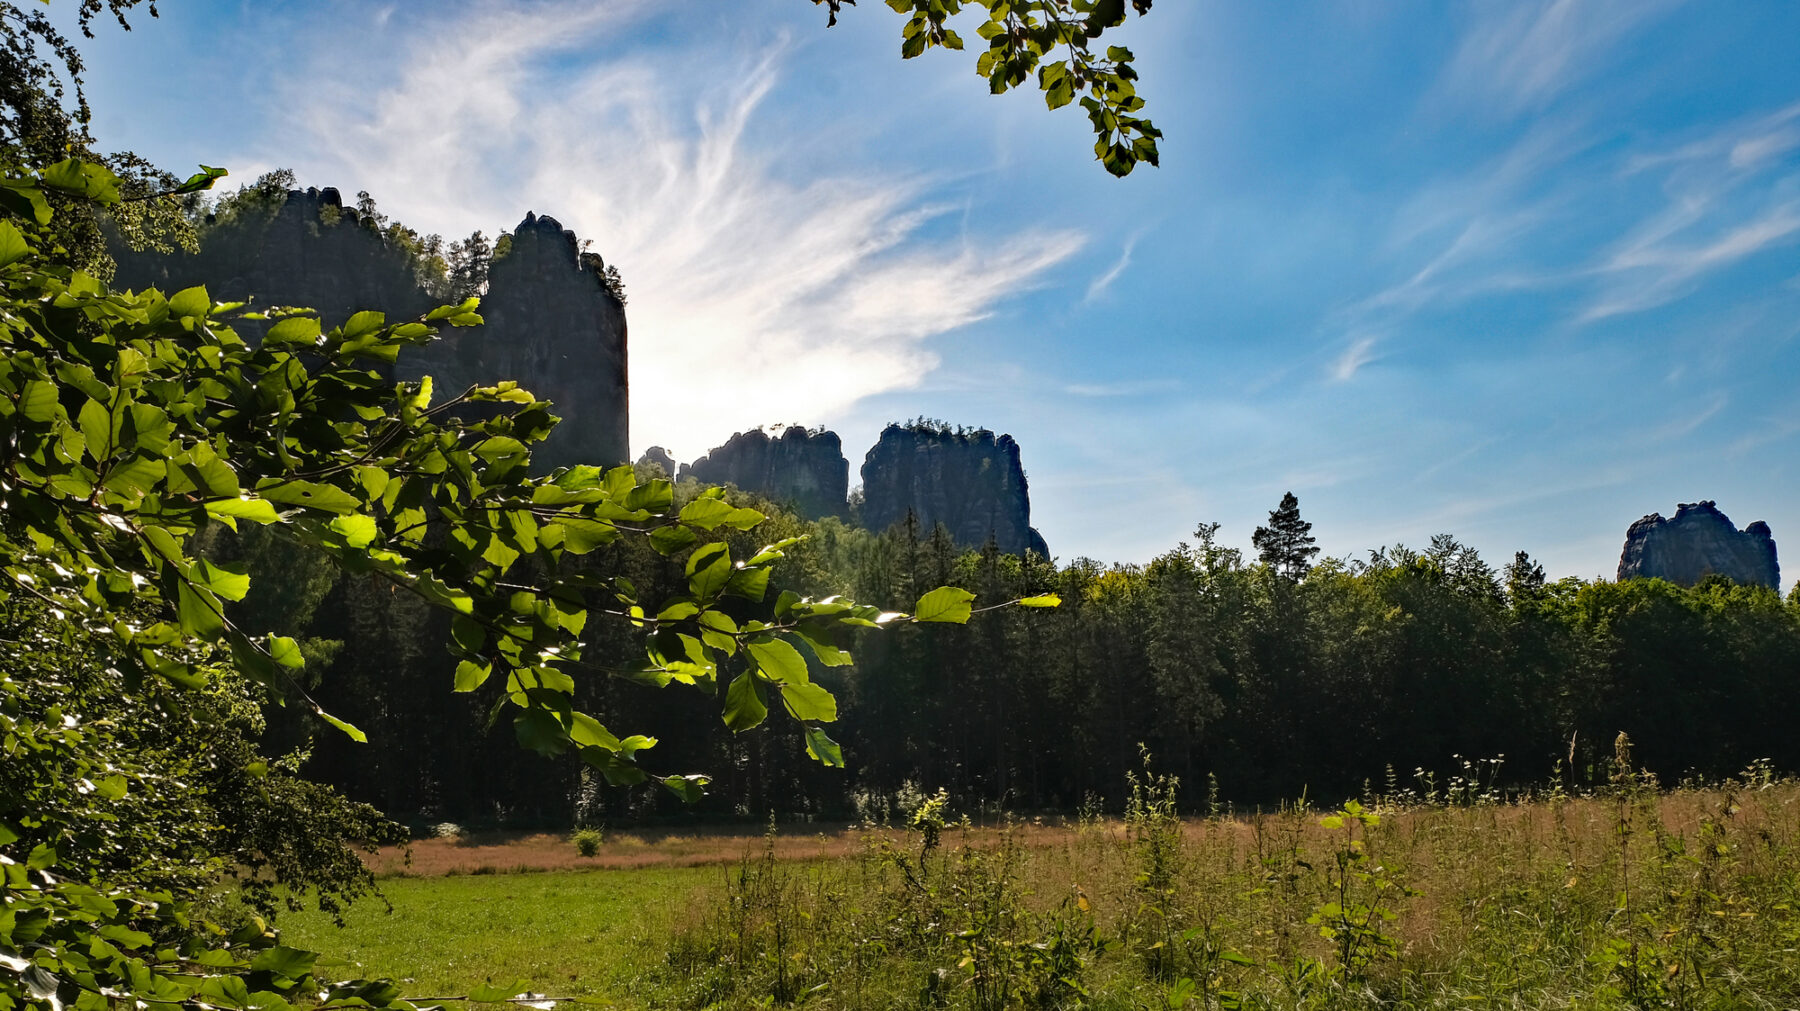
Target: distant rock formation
1699,541
312,251
970,482
804,469
553,326
659,456
552,323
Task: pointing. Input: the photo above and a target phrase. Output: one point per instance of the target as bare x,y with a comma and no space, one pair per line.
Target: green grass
1627,899
577,934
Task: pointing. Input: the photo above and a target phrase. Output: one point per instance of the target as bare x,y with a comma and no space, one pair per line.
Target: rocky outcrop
970,482
660,457
308,250
552,323
803,469
553,326
1699,541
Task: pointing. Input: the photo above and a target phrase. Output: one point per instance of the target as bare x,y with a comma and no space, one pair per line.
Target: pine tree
1286,544
469,263
1524,579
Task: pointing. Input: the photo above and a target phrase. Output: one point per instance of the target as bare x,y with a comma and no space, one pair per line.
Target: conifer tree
1286,544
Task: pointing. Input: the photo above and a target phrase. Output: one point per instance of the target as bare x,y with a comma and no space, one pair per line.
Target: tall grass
1619,896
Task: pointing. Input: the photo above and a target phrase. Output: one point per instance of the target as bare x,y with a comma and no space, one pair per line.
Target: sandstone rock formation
801,468
552,324
1699,541
970,482
659,456
312,251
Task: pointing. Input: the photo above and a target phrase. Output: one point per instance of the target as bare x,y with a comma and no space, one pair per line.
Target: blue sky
1521,272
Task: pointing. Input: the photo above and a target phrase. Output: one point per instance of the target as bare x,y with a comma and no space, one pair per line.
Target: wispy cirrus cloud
1360,353
1655,268
1517,56
756,294
1104,280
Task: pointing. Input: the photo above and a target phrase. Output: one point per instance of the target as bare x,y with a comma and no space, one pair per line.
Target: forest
1269,680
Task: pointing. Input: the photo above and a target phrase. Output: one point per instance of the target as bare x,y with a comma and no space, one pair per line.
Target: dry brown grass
520,852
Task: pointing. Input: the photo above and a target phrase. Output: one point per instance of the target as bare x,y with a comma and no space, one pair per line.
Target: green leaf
807,701
190,302
670,540
365,322
286,652
581,536
946,603
254,509
689,788
1047,600
749,583
827,652
348,729
357,529
744,519
778,660
85,179
823,748
308,493
13,247
708,570
227,582
706,513
744,705
198,611
284,961
37,400
541,732
293,330
201,180
471,675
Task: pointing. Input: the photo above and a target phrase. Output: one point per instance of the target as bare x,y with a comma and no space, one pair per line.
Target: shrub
587,841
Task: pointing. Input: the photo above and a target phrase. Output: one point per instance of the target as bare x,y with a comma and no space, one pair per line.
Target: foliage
44,118
138,424
1022,37
587,841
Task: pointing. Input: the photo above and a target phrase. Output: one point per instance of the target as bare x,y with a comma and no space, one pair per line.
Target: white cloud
1360,352
1653,269
758,293
1099,285
1518,55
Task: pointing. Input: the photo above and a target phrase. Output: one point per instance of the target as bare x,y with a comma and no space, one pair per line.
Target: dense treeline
1275,679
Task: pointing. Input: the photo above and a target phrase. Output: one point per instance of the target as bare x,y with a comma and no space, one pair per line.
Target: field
1631,897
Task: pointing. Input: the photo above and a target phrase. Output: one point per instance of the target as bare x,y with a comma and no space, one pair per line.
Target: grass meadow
1626,897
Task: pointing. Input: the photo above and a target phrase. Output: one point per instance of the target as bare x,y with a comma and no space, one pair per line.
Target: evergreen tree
1286,544
1524,579
469,263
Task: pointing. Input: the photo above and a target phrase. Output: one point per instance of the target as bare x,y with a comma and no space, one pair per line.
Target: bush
587,841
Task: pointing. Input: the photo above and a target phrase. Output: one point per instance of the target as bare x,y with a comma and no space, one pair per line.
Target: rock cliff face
1698,542
659,456
552,325
970,482
805,469
313,252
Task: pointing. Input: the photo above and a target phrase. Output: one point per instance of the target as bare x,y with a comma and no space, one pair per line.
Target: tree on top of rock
1286,544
